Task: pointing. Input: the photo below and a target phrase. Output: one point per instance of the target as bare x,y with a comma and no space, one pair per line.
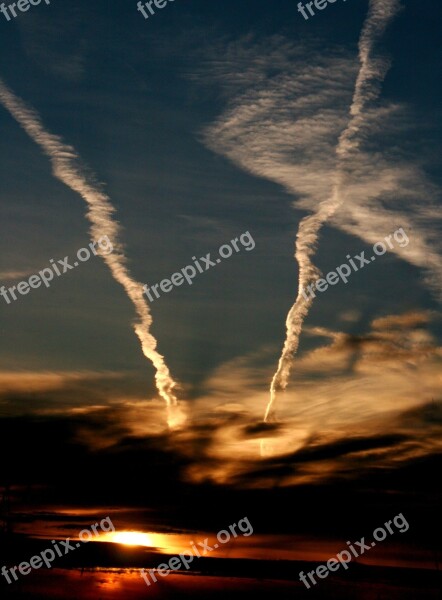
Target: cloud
57,392
10,275
371,74
377,417
284,125
371,398
102,404
405,320
41,381
350,387
67,167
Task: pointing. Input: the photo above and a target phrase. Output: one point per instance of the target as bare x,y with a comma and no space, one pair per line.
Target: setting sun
129,538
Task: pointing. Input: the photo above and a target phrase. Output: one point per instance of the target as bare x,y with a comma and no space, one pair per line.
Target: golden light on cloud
376,391
128,538
176,417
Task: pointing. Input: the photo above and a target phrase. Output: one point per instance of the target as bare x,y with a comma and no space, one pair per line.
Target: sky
206,122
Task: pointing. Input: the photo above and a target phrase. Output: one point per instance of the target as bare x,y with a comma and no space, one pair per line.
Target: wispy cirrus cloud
66,166
282,122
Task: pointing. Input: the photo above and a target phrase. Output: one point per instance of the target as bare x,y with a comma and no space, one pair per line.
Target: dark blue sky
139,100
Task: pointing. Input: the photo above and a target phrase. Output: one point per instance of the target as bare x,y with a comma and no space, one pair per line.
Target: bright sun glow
129,538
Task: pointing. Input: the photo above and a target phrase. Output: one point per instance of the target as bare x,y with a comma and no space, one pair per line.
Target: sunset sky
206,121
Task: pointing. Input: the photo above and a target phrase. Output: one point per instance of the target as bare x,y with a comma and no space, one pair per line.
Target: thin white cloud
66,167
285,129
294,127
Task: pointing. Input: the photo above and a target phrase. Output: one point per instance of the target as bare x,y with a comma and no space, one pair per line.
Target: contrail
67,168
370,77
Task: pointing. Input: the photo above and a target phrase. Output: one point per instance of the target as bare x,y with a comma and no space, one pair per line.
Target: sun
129,538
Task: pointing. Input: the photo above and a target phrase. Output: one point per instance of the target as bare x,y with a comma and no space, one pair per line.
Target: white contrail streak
66,167
371,74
